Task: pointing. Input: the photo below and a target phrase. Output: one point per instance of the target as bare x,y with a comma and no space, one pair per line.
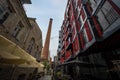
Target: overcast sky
43,10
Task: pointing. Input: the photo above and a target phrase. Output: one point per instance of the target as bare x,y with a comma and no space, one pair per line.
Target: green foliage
46,64
58,73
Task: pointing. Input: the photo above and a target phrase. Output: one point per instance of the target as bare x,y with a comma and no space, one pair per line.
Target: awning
41,65
12,53
24,55
7,58
10,49
28,65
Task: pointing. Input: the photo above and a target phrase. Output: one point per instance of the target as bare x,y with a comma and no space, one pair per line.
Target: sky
43,10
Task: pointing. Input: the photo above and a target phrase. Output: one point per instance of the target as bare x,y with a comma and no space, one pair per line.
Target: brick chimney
45,51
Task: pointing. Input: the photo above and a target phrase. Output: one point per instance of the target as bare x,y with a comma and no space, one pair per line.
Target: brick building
89,39
45,55
24,32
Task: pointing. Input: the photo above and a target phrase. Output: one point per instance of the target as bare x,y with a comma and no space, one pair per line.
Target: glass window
31,45
102,20
107,15
79,19
106,8
85,37
117,2
17,30
96,1
110,14
93,4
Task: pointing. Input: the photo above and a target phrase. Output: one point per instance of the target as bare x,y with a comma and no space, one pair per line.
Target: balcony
96,5
94,44
76,45
68,34
68,44
83,14
63,44
106,21
87,38
73,30
62,59
88,7
79,2
87,10
110,22
72,17
68,55
68,25
62,52
109,44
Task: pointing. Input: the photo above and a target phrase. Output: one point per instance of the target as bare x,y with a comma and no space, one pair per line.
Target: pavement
46,77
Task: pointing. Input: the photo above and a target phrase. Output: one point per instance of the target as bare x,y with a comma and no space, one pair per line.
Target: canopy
9,58
10,49
41,65
24,55
12,53
28,65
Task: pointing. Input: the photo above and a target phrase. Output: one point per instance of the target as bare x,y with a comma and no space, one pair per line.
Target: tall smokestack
45,52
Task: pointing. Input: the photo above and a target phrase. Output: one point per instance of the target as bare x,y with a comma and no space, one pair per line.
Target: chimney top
51,19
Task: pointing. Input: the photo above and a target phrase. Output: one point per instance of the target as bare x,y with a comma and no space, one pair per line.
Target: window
4,11
96,1
88,31
17,30
110,14
107,16
78,10
93,4
76,3
37,53
32,25
76,44
85,37
83,16
80,22
31,45
117,2
102,20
